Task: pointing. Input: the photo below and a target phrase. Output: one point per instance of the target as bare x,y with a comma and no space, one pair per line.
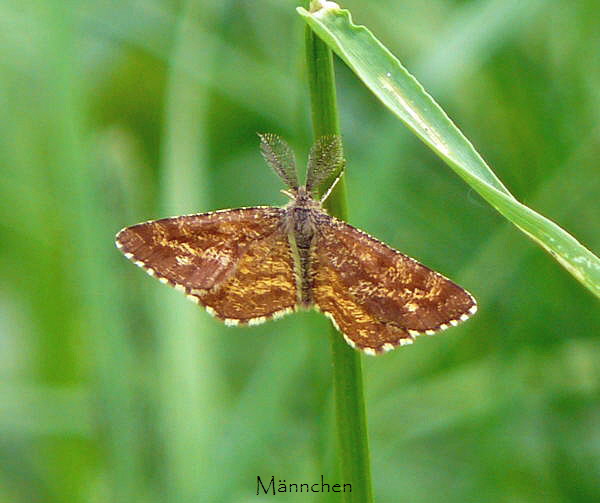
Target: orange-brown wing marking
378,297
207,255
262,287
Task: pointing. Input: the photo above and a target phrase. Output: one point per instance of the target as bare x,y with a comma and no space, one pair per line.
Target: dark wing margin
237,263
378,297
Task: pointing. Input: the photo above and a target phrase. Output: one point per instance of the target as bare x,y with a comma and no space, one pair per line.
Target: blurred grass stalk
187,373
352,435
93,297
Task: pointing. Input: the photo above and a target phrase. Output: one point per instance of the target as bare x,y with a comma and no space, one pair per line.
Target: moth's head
302,198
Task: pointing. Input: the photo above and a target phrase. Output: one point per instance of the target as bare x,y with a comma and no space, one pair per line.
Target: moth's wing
262,287
378,297
237,263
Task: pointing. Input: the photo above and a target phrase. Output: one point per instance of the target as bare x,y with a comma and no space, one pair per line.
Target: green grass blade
188,373
385,76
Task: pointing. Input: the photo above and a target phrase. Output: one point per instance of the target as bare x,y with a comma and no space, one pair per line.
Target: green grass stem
353,444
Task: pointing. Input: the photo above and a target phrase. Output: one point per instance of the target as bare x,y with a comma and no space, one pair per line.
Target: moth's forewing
378,297
237,263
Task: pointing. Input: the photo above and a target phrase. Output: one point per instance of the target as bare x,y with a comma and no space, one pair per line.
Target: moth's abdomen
306,276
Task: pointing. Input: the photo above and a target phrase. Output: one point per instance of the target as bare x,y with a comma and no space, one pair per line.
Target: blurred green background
113,388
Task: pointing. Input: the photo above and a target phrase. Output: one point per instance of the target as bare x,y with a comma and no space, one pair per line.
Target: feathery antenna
280,157
326,158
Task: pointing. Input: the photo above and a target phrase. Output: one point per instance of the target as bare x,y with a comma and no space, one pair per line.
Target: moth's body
300,223
248,265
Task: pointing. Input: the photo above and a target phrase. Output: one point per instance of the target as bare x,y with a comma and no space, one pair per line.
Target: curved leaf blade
399,91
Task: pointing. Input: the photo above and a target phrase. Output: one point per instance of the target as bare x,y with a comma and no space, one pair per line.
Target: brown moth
248,265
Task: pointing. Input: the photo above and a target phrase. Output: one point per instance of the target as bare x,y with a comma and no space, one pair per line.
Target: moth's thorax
301,198
300,216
